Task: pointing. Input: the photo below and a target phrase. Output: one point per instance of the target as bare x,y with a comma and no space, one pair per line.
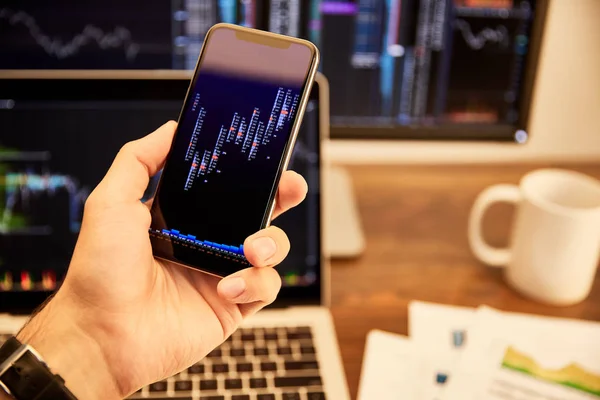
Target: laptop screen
59,137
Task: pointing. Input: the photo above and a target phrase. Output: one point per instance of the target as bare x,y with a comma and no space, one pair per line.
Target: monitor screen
397,68
59,137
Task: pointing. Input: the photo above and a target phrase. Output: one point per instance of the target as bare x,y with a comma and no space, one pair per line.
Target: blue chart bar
367,35
228,10
387,59
191,239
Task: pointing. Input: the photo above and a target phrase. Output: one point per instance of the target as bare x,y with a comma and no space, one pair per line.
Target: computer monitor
419,69
60,134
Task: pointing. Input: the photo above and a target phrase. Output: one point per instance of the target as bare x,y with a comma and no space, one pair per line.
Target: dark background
145,24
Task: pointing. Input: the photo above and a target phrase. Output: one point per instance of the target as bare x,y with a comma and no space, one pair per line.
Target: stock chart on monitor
390,63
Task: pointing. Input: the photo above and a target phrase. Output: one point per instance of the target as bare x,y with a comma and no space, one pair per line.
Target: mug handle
484,252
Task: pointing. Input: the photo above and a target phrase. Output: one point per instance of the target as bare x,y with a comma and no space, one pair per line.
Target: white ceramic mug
555,241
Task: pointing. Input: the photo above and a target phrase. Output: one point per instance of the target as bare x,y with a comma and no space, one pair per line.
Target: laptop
70,125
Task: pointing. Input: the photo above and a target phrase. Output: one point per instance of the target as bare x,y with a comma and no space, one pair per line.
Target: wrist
70,352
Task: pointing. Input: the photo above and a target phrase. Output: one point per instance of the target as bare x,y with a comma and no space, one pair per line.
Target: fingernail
264,247
233,287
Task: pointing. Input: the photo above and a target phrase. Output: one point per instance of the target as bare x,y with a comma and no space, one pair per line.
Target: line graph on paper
32,197
477,41
117,38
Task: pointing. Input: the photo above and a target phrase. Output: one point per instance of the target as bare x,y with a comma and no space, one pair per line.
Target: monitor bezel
23,303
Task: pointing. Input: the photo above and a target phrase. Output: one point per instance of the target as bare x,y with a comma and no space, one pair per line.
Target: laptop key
290,396
237,352
208,384
297,381
196,369
233,383
261,351
265,396
248,336
244,367
216,353
240,397
183,386
298,336
299,333
270,336
258,383
316,396
297,365
220,368
172,398
284,351
307,350
212,398
158,386
268,366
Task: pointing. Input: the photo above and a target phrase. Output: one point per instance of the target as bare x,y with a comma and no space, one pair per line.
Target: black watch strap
25,376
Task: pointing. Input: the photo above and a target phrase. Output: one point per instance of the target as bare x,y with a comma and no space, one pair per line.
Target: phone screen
234,132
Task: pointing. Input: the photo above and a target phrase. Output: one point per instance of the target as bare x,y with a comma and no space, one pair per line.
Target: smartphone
235,136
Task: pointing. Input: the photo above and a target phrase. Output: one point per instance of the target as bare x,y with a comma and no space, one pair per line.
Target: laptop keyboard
253,364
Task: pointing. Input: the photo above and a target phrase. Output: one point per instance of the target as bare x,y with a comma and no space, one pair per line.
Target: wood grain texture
415,222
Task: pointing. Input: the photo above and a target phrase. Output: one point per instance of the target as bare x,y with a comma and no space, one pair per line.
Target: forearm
70,352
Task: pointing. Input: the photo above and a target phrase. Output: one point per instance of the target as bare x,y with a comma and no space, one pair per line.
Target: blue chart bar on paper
234,251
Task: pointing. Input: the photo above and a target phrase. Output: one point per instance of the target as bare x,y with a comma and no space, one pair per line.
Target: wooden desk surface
415,221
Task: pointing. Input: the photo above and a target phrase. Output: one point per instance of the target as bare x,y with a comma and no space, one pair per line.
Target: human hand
123,319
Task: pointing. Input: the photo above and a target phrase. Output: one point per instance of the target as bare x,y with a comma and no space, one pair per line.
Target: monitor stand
343,230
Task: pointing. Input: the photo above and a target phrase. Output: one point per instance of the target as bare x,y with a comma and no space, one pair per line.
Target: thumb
136,162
